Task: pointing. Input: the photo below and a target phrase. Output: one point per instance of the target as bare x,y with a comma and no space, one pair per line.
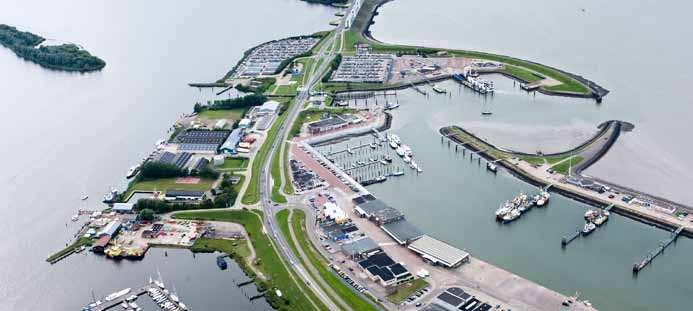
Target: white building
244,123
269,107
332,211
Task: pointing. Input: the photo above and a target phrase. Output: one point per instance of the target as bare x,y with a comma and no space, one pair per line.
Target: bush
159,206
241,102
156,170
146,214
333,66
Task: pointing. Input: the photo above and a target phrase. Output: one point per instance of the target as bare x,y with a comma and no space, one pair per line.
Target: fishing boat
117,294
601,218
491,167
400,151
439,89
542,198
588,228
221,262
503,209
110,196
512,215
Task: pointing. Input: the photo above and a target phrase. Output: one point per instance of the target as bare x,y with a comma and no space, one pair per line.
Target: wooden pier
658,251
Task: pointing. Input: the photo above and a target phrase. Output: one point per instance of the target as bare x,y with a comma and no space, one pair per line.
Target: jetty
208,84
657,251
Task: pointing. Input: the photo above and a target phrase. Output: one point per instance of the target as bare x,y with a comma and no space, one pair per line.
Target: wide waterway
454,199
636,50
66,133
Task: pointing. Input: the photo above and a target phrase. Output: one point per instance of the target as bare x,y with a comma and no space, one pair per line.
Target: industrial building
360,248
110,229
325,125
231,143
454,299
123,208
402,231
184,195
177,159
378,211
381,268
438,252
269,107
198,140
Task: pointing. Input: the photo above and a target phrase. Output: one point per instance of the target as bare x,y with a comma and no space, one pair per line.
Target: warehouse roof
440,251
402,231
381,211
360,246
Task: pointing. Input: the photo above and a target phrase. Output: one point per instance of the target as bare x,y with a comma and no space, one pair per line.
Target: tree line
68,57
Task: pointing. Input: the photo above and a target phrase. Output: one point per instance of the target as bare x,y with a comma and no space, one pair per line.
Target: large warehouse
439,252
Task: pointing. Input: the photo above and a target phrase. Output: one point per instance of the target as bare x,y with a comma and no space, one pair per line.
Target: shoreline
563,189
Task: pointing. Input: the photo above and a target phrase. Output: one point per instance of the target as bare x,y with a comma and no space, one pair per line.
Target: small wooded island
68,57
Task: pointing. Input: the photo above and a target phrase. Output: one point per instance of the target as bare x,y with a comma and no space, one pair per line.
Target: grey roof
184,193
402,231
381,211
327,122
123,207
360,246
441,251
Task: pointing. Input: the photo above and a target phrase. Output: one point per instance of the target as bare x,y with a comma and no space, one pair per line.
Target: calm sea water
635,49
66,133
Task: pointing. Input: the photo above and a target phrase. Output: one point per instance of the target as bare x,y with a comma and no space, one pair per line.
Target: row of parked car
415,296
348,279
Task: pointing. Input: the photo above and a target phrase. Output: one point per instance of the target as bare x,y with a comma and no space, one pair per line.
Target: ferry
117,294
588,228
391,105
491,167
132,171
439,89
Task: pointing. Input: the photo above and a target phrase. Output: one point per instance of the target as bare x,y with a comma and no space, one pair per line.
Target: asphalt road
326,53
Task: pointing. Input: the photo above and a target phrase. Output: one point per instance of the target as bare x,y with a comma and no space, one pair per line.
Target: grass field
206,245
522,73
268,260
288,186
251,195
234,114
405,290
564,166
82,241
233,164
344,291
276,173
164,184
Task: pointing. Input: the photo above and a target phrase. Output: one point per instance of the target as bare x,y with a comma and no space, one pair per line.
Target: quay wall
590,200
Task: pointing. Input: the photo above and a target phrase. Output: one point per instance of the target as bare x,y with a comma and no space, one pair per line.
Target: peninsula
66,57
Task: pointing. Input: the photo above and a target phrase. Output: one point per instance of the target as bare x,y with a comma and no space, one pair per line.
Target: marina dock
657,251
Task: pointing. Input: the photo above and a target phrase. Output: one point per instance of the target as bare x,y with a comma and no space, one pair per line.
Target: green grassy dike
82,241
354,300
251,194
267,262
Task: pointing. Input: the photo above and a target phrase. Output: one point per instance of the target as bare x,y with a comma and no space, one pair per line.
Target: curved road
326,54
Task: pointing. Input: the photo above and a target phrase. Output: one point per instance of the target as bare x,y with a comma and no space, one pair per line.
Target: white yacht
117,294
